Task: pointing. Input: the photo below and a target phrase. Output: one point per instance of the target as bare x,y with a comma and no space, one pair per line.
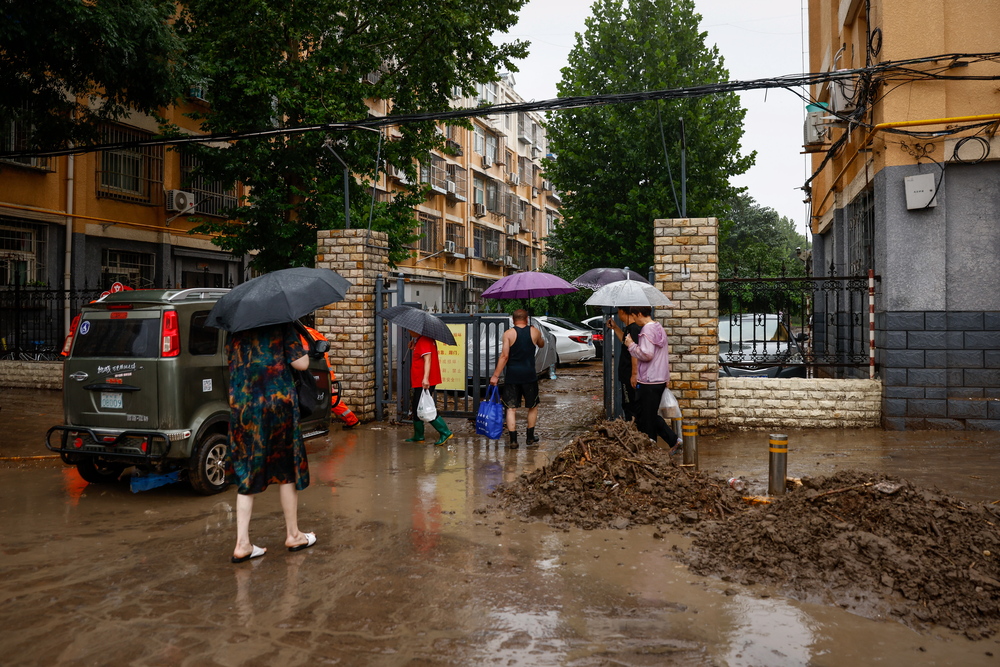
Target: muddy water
411,570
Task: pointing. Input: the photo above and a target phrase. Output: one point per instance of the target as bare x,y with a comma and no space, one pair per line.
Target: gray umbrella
276,297
598,278
422,322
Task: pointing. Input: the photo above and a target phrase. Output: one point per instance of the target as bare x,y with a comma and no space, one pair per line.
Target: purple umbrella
528,285
597,278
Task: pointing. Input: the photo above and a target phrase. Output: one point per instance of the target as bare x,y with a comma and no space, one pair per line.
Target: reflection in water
329,464
768,632
516,635
74,485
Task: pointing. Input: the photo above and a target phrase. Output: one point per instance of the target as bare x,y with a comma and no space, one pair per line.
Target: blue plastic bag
489,420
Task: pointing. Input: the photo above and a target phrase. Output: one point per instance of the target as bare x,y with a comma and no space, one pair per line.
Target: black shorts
512,394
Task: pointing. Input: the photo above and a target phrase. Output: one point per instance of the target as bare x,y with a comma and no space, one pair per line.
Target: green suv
146,385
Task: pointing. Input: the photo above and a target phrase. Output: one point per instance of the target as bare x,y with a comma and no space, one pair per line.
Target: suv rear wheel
96,471
207,474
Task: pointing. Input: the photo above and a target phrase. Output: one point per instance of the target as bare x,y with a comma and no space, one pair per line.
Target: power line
882,72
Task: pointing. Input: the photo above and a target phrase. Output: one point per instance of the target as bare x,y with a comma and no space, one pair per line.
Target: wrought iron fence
788,327
33,318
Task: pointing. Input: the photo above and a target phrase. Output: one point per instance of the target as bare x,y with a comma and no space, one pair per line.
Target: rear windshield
132,337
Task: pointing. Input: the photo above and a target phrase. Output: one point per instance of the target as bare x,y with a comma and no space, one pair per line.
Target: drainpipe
68,258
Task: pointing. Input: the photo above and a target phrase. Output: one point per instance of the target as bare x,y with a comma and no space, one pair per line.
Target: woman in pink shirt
653,375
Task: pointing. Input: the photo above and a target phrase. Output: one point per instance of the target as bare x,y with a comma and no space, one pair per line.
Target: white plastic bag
426,410
669,409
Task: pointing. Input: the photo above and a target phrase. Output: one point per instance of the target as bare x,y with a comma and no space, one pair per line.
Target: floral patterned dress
265,442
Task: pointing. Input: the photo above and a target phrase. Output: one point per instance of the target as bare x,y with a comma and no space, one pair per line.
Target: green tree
109,56
610,160
271,64
755,240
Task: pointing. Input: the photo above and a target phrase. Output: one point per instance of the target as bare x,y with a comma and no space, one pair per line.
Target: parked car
759,345
596,326
146,385
490,346
574,342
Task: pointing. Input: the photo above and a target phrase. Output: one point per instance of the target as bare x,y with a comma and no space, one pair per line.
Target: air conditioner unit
534,192
450,186
373,77
479,210
535,151
843,94
400,175
513,178
813,132
487,163
513,229
534,235
179,200
546,185
471,252
449,246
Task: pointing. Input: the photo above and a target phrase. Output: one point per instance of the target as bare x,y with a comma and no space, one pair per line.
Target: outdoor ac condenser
179,200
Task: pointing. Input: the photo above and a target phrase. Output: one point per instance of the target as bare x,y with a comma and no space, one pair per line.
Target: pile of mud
873,544
613,477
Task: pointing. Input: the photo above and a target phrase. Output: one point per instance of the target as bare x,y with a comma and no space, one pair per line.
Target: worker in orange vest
338,407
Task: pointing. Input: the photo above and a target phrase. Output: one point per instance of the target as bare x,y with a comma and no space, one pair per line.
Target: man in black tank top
521,382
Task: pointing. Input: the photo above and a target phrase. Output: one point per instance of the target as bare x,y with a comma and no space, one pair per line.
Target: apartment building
122,216
490,208
906,173
111,216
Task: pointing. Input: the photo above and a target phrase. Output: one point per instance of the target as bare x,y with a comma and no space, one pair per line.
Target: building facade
490,207
905,183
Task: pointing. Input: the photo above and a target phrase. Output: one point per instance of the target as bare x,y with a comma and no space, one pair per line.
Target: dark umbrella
276,297
419,321
598,278
528,285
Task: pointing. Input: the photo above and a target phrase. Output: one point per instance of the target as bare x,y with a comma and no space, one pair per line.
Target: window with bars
479,190
212,197
861,233
429,226
132,269
493,197
14,137
22,253
455,232
487,242
132,174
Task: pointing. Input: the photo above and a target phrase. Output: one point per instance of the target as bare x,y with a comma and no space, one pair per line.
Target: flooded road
412,568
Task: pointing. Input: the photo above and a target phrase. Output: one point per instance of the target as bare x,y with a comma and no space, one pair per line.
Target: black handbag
310,397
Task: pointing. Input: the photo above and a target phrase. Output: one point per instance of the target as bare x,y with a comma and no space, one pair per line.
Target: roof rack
198,293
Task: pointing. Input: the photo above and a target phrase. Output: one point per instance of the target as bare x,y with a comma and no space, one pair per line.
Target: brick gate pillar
360,256
687,270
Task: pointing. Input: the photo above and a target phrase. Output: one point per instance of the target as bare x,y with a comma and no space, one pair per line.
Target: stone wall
746,403
360,256
686,252
31,374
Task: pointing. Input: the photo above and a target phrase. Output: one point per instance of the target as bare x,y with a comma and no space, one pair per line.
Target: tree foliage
109,56
755,240
272,63
610,161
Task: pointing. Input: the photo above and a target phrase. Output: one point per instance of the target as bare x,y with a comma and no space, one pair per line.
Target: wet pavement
412,568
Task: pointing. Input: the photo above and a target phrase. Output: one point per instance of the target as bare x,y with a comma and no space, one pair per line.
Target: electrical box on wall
920,190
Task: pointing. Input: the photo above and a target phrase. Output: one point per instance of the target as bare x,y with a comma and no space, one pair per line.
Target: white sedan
572,343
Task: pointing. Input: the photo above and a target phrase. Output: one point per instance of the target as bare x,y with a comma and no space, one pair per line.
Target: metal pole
690,444
777,464
871,324
684,197
347,189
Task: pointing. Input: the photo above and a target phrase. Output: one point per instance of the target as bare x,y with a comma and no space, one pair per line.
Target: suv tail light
580,339
170,343
68,343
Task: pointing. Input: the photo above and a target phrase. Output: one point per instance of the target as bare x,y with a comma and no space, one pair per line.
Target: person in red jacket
338,407
425,373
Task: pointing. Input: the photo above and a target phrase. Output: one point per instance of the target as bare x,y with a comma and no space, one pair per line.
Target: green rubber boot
418,432
442,428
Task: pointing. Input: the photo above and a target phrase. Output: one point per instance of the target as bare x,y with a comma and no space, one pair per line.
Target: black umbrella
423,323
598,278
276,297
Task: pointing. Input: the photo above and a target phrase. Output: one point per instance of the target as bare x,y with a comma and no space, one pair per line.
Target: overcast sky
757,40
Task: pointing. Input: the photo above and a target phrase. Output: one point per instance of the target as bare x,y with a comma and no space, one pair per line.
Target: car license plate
111,399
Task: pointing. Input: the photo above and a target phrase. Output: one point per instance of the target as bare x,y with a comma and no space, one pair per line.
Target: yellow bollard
690,444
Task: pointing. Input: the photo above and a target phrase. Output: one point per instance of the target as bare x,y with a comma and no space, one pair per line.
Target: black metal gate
479,336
